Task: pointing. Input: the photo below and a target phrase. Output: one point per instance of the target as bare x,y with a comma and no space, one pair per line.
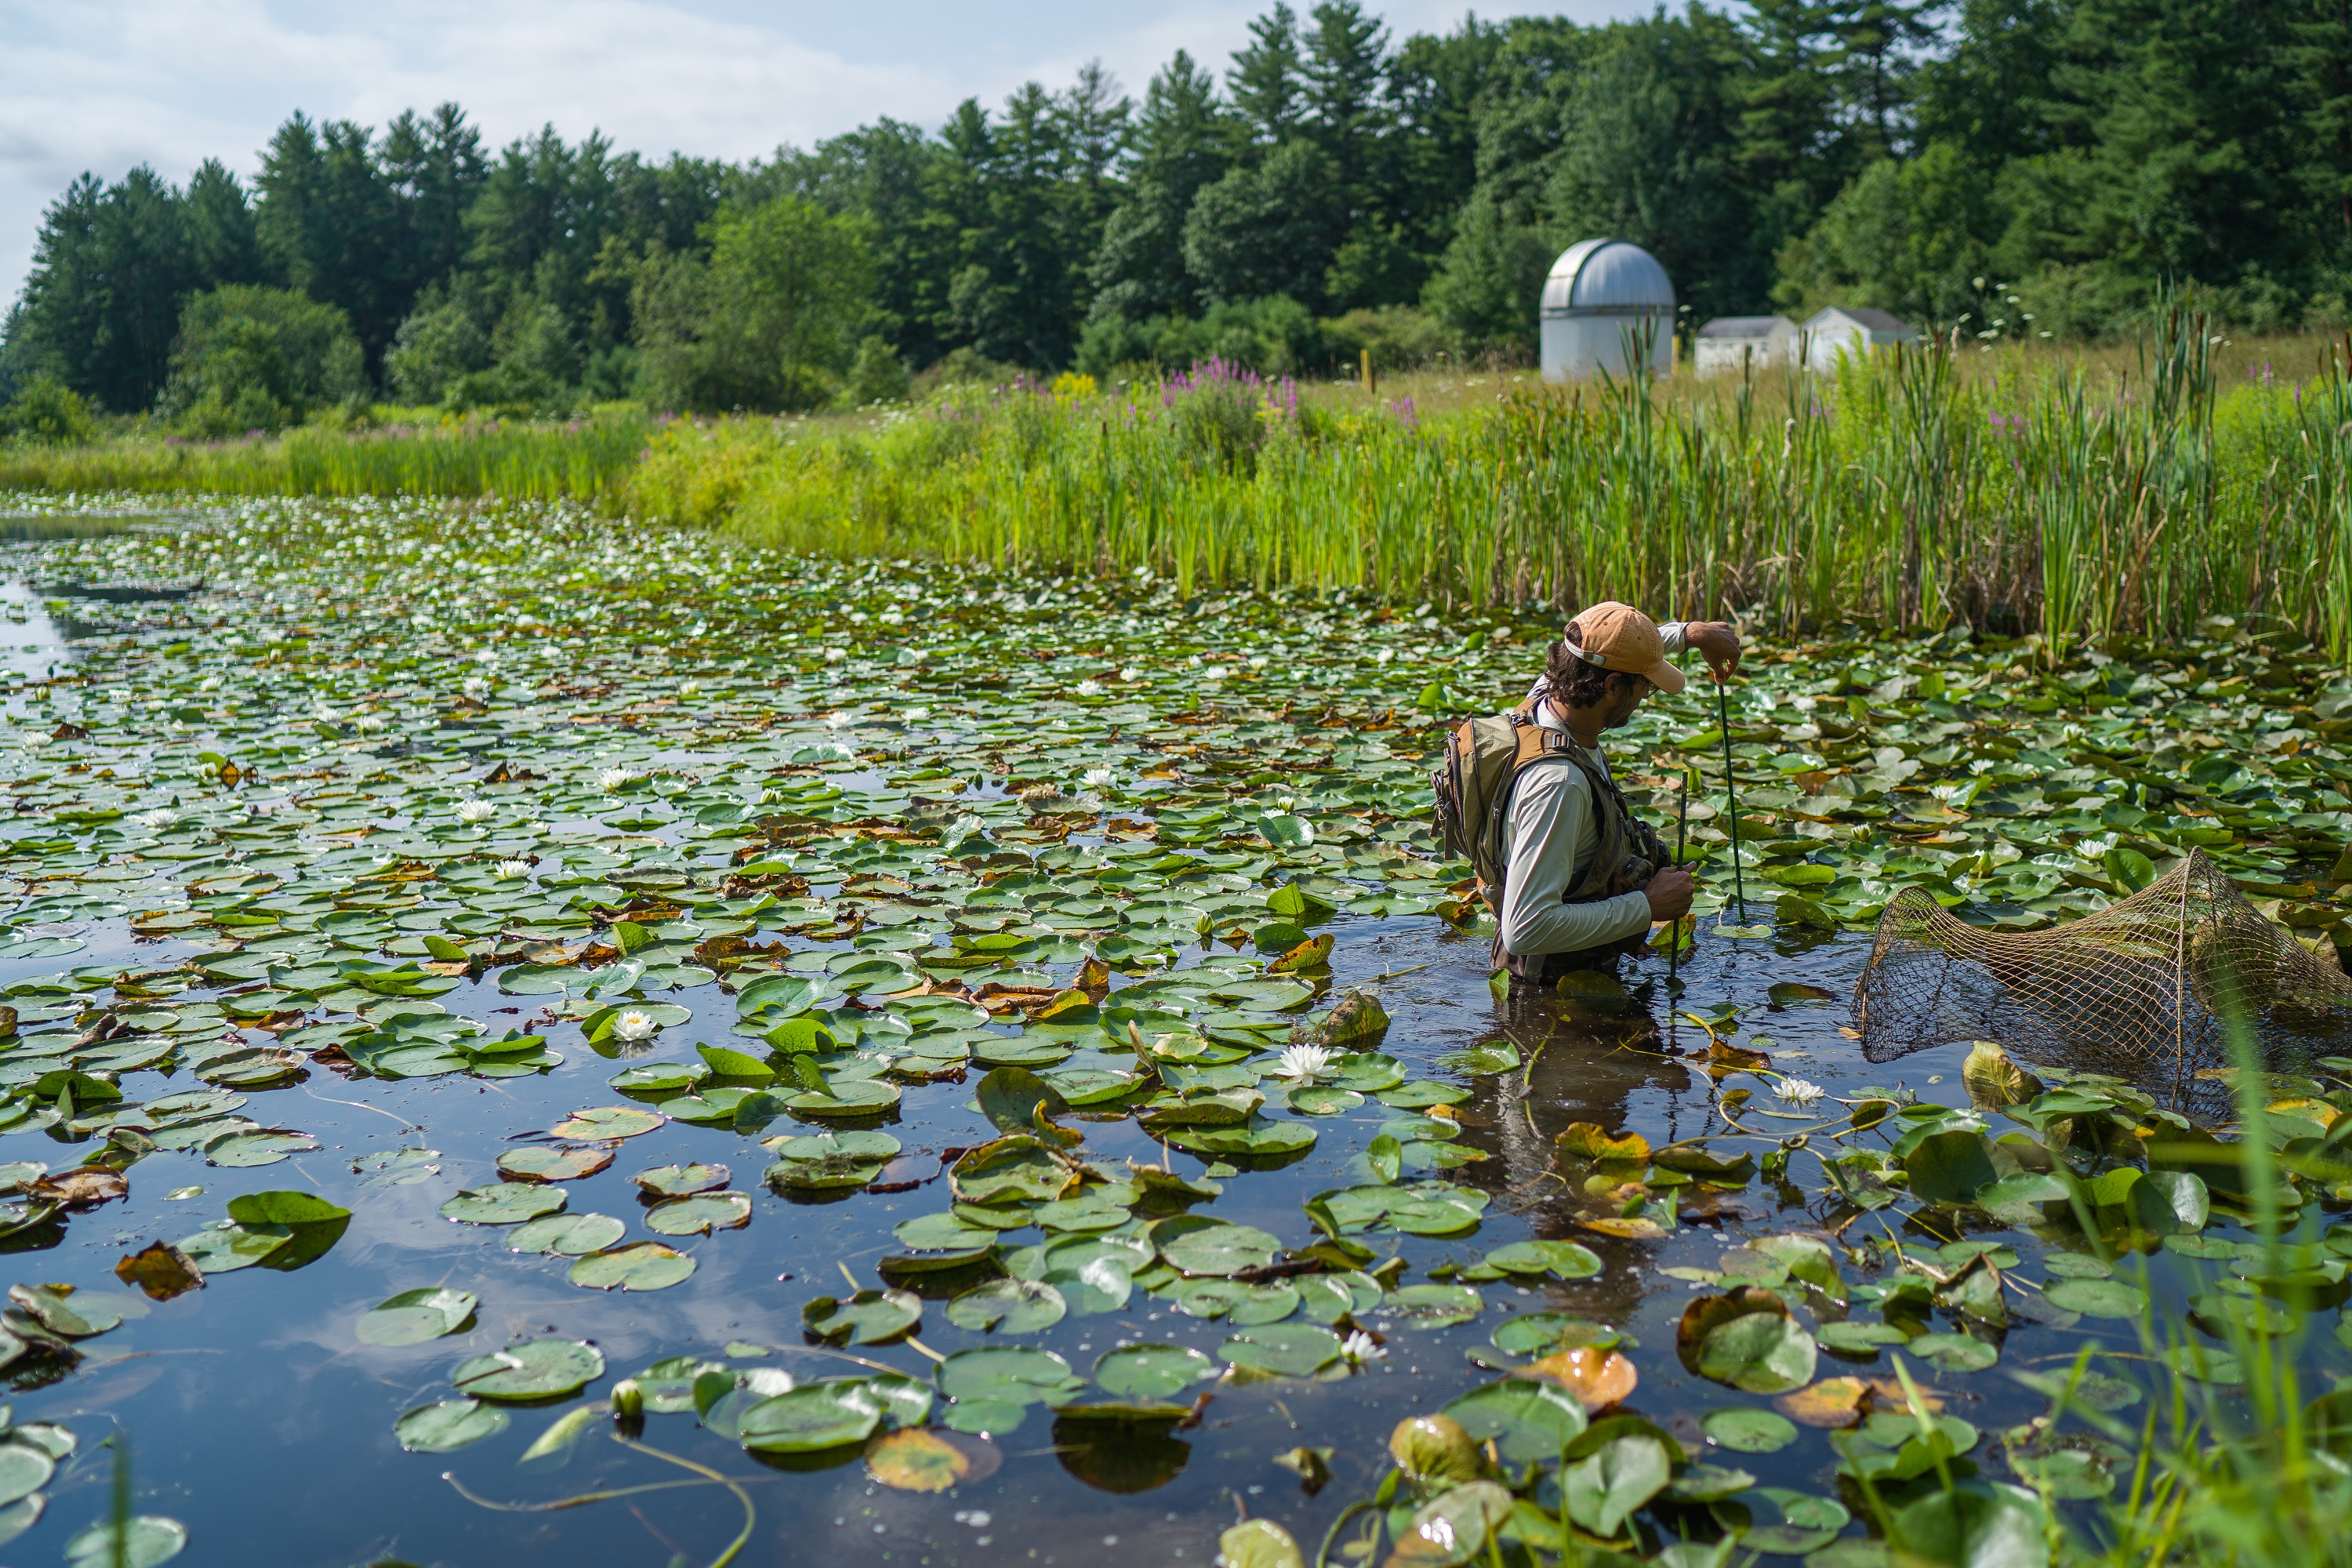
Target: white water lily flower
835,655
513,871
840,719
1360,1348
476,685
690,688
916,715
1303,1063
612,779
369,723
1090,688
1385,655
1797,1091
161,817
209,683
1100,778
1258,661
475,811
633,1026
1217,672
1132,672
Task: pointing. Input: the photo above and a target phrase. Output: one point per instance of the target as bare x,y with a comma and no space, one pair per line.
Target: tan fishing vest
1626,854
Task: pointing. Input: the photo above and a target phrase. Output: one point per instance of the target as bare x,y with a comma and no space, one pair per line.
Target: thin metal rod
1730,795
1681,833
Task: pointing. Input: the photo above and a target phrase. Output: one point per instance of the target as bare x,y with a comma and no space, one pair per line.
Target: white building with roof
1728,344
1606,304
1853,330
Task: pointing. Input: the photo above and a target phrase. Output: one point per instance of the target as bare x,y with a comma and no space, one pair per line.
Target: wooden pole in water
1730,797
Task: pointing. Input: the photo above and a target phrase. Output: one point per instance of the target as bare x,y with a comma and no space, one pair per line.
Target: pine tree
2319,56
1184,139
329,224
1265,81
223,247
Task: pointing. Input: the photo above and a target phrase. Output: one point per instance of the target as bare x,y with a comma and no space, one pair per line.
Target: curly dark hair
1576,684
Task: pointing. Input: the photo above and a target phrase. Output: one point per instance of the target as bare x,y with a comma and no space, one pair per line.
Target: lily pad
226,1247
1563,1259
1749,1431
257,1147
917,1461
451,1425
1009,1306
1151,1372
681,1181
1196,1244
1007,1375
608,1122
143,1540
538,1163
869,1318
1291,1350
24,1470
644,1265
413,1317
812,1418
509,1202
2097,1298
1529,1420
1016,1167
699,1215
571,1234
530,1370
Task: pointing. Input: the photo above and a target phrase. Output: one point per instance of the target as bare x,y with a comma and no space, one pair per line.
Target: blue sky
104,85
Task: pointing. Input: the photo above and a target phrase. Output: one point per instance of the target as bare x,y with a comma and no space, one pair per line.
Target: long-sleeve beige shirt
1549,837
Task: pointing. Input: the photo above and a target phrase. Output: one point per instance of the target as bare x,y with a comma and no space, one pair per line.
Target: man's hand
1718,643
1669,893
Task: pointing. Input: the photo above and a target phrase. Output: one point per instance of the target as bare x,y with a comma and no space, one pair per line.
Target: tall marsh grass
1912,489
587,460
2079,497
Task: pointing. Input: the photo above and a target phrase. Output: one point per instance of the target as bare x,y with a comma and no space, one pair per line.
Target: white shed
1729,344
1855,332
1605,298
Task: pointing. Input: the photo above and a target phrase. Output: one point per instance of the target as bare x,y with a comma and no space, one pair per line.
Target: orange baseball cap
1620,638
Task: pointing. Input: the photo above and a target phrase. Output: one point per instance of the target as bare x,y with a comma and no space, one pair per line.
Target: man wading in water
1583,879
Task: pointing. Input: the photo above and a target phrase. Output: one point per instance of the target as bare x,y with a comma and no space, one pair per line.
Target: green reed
1911,489
587,459
1897,489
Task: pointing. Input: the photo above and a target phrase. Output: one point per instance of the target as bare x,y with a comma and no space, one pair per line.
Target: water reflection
31,642
34,526
1587,1060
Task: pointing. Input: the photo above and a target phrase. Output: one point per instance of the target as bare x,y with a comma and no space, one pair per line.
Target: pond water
384,841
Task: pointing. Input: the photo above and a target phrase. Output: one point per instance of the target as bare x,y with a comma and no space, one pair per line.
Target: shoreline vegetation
2079,497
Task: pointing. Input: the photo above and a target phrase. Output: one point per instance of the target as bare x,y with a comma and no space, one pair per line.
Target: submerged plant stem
709,1477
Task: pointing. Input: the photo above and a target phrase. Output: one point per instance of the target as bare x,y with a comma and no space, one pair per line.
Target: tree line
2002,168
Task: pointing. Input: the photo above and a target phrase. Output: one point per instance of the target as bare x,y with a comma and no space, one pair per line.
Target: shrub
46,410
1399,336
771,320
251,358
878,374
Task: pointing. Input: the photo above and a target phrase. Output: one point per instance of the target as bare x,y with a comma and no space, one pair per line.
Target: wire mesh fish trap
2143,985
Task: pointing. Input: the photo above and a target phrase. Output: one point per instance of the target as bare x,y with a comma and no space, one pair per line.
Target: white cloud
104,85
